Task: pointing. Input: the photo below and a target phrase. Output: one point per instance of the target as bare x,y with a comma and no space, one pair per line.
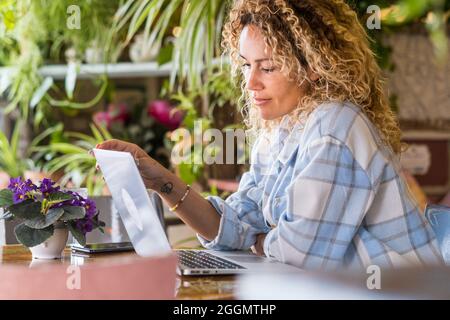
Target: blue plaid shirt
328,195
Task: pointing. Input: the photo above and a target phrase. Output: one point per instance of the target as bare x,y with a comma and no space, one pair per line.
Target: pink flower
115,113
165,114
118,112
102,118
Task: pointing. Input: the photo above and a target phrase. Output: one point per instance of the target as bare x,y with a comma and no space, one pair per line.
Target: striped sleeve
241,215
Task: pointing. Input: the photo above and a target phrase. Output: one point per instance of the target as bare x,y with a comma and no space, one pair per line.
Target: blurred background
76,72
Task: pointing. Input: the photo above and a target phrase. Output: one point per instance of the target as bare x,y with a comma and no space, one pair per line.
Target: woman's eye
268,70
245,66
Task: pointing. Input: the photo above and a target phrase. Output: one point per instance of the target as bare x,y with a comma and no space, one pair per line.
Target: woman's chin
267,115
268,112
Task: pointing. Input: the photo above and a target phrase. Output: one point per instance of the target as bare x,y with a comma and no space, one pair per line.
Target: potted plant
35,33
47,214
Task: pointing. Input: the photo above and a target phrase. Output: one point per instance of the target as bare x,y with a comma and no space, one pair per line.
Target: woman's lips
261,102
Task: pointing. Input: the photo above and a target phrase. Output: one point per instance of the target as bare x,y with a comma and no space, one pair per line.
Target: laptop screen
131,199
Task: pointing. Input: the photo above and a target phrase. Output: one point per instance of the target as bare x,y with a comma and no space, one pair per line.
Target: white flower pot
94,55
140,52
54,246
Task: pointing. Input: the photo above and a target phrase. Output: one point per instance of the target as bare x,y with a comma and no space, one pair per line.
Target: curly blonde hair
326,36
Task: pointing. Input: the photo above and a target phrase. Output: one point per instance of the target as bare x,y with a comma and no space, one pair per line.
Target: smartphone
102,247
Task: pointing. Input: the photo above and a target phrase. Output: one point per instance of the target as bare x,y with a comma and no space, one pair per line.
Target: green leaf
30,237
43,221
28,209
84,105
98,224
138,18
9,19
6,198
58,197
77,234
41,91
73,213
71,79
165,54
38,117
16,137
65,160
66,148
9,160
83,137
105,133
46,133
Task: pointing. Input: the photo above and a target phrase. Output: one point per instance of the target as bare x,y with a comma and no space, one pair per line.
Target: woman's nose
253,81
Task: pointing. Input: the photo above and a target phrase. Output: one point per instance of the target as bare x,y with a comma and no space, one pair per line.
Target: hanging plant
39,34
196,26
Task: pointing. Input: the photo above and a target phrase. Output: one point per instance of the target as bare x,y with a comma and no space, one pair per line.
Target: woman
323,190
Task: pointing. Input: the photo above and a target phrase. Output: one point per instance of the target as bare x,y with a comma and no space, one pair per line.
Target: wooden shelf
426,135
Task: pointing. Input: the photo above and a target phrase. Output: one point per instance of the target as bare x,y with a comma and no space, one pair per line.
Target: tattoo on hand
167,187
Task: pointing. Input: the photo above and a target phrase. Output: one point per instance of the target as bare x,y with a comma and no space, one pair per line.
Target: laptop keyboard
199,259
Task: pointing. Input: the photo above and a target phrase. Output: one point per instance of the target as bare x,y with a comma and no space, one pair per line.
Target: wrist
162,181
159,179
152,173
162,184
170,188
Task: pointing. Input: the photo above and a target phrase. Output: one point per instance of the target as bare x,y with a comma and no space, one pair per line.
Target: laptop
115,237
147,235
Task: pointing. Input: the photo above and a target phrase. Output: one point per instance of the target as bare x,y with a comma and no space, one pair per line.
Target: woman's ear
312,75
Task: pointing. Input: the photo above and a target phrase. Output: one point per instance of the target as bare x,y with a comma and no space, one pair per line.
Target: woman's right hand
119,145
150,170
195,210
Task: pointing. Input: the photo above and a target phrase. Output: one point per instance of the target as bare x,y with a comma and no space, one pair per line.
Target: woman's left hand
258,247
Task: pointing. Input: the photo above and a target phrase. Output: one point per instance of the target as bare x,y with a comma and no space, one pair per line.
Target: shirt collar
285,138
291,144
